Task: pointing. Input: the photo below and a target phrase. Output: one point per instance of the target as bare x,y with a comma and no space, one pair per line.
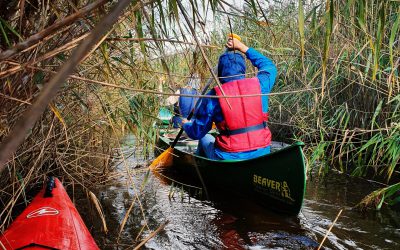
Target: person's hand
234,43
184,121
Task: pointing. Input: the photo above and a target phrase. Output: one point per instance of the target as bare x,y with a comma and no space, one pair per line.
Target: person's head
231,66
193,82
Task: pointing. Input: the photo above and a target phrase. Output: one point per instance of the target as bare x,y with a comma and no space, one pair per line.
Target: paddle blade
164,160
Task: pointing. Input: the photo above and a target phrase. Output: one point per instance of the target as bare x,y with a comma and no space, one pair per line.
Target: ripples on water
233,223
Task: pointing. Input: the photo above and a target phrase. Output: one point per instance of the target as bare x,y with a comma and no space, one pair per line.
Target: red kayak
51,221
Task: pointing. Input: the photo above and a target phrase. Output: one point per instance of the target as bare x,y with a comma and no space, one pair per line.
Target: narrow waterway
236,223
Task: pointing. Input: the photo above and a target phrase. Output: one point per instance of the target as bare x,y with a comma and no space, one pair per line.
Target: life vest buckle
227,131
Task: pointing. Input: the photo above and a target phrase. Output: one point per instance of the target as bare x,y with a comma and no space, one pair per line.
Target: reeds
72,139
352,124
346,51
76,135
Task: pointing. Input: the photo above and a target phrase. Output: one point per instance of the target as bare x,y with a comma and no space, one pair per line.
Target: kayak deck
51,221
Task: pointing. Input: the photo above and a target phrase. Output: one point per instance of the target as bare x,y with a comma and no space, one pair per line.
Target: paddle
165,158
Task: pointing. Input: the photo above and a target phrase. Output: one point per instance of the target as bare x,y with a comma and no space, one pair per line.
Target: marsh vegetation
338,87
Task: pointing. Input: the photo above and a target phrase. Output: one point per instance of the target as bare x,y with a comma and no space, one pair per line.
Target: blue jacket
209,110
184,106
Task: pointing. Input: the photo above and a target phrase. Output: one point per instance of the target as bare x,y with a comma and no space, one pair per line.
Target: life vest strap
228,132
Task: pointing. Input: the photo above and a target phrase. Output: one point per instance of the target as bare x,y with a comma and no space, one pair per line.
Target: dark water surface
236,223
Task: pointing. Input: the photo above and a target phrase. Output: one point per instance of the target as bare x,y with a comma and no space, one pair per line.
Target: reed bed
72,138
345,52
348,49
76,136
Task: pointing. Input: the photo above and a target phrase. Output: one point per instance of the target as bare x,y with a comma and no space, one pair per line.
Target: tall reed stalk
346,50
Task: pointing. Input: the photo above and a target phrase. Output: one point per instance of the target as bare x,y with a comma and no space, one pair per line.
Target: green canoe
276,181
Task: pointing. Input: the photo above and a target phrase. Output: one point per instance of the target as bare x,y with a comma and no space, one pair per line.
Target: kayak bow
51,221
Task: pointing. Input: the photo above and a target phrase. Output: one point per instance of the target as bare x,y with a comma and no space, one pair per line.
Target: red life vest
244,126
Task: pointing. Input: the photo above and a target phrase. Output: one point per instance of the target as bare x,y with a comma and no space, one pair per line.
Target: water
232,223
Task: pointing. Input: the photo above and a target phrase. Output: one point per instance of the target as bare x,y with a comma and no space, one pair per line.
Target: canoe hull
49,223
276,181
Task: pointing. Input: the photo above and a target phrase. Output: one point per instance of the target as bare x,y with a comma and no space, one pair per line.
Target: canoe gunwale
246,177
296,144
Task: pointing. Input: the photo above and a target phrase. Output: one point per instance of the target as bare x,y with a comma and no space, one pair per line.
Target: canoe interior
276,180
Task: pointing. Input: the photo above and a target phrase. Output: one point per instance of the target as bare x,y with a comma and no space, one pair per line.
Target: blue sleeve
202,121
267,69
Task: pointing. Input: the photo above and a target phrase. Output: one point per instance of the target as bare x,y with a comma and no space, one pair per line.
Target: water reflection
354,230
236,223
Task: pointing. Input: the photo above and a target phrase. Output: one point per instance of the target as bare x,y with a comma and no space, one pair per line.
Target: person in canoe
183,105
241,122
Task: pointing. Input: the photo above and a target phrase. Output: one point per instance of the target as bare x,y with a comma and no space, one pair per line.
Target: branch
24,124
49,30
201,49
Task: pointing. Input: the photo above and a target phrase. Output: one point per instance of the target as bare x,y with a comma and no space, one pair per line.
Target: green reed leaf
393,34
301,29
3,32
139,30
379,36
376,113
11,28
173,9
379,206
